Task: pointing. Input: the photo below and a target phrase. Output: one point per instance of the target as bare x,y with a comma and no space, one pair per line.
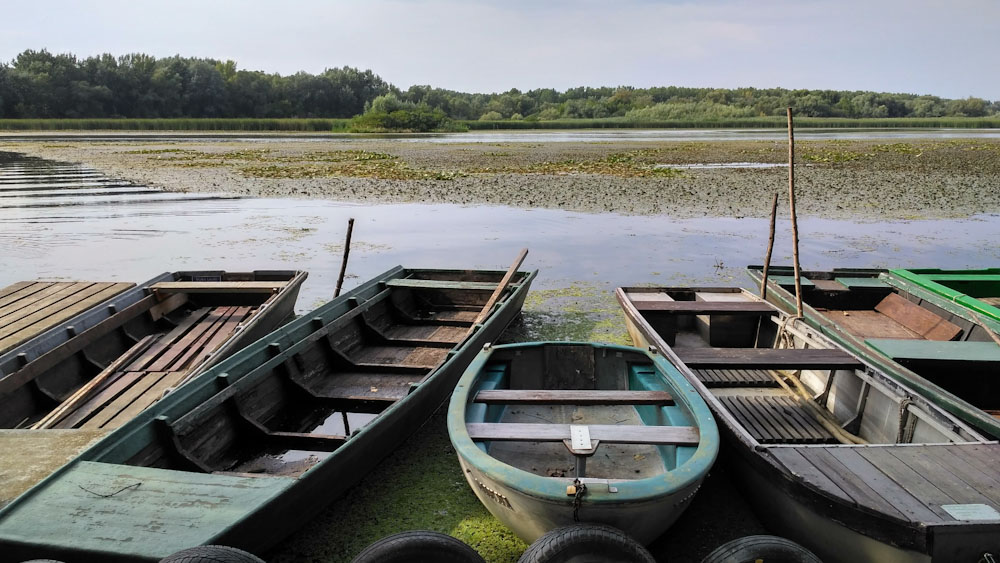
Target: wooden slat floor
165,364
30,308
910,483
776,419
735,377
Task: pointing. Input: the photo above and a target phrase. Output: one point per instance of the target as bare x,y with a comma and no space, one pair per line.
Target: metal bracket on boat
581,446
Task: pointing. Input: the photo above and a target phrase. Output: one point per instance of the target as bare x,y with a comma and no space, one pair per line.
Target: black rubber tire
212,554
586,543
418,546
770,549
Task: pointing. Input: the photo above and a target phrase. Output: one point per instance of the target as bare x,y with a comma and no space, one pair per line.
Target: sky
947,48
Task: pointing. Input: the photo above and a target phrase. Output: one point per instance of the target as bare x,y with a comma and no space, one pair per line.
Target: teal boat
934,345
251,449
977,290
550,433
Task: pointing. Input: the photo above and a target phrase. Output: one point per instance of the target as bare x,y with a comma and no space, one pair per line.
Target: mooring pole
347,252
770,247
795,225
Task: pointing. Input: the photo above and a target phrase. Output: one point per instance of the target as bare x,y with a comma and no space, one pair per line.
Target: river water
62,221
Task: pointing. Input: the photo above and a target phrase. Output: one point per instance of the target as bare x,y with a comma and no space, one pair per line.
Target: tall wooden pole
795,224
347,252
770,247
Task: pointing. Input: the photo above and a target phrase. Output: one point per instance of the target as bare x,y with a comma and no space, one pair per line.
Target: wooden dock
29,308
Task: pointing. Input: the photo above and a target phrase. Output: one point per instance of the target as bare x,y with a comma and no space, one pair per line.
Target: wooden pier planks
28,309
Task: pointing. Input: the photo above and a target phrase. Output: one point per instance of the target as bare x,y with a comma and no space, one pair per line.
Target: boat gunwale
553,489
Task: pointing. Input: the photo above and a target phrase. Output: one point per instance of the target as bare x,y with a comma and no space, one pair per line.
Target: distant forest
39,84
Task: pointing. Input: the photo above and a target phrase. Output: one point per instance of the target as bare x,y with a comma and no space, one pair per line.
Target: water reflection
111,240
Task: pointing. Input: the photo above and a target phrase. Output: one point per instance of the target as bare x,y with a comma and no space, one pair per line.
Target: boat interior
289,404
954,352
784,383
842,429
530,403
103,375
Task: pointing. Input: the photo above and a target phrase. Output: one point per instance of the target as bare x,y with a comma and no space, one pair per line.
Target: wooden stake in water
770,247
347,252
795,225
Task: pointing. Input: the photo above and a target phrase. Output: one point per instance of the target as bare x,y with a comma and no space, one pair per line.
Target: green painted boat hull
531,504
965,287
107,510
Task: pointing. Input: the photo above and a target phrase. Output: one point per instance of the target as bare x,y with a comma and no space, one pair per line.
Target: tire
212,554
418,546
586,543
766,548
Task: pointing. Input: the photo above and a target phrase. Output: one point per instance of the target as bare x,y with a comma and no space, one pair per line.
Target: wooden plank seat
440,284
776,419
611,433
219,287
706,307
928,350
785,358
928,325
736,377
573,397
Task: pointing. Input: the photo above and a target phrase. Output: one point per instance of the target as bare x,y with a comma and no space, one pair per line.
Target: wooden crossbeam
573,397
706,307
812,358
611,433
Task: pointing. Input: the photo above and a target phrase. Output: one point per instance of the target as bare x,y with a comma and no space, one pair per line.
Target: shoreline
860,180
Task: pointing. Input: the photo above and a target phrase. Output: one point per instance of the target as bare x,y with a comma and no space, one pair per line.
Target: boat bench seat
440,284
957,351
218,287
612,433
573,397
928,325
771,358
706,307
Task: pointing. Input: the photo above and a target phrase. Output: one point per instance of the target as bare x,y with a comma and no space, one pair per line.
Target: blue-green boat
248,451
552,433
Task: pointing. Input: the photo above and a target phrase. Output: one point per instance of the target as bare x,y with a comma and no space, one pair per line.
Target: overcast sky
941,47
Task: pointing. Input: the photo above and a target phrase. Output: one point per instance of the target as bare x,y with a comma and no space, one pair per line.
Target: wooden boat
936,346
251,449
29,308
976,290
549,434
833,453
101,367
89,373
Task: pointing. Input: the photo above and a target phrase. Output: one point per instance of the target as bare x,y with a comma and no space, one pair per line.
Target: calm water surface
133,233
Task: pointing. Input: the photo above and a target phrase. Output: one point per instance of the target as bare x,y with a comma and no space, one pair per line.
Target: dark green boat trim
959,286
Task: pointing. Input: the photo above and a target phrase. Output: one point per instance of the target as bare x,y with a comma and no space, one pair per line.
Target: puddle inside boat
123,236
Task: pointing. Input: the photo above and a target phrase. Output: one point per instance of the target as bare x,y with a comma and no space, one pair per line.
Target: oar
500,288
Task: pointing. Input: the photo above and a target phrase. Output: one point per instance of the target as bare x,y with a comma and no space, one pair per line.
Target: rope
581,489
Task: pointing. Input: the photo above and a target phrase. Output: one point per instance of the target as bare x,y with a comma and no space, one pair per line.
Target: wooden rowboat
932,344
549,434
92,371
832,452
100,368
251,449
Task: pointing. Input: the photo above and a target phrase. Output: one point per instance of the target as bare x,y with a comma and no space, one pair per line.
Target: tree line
40,84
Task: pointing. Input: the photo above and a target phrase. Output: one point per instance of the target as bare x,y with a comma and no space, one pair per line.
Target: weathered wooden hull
530,502
876,500
188,497
964,397
39,374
